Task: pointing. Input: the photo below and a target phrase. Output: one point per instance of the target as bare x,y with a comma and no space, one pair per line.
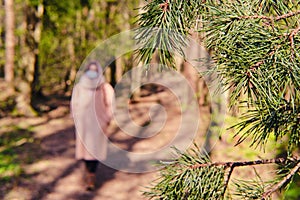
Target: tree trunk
192,75
28,69
9,43
71,71
37,33
136,77
119,68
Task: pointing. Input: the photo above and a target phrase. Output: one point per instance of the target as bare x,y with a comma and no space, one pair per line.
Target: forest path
50,171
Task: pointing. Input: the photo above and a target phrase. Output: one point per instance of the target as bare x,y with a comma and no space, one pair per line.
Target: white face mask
91,74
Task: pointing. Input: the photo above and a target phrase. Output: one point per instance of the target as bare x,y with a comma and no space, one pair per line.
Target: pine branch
256,17
244,163
277,18
232,165
227,178
271,19
282,182
290,14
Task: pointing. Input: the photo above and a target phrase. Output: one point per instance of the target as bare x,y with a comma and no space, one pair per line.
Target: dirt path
52,173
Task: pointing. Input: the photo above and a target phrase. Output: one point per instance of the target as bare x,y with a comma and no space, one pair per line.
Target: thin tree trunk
9,43
71,73
113,69
192,75
119,68
136,77
37,33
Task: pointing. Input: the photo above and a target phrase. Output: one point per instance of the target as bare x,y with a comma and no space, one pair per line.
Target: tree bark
119,68
28,69
71,71
193,76
9,43
37,34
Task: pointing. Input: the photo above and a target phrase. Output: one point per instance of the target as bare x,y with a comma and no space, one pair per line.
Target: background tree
255,47
52,38
30,27
9,43
72,30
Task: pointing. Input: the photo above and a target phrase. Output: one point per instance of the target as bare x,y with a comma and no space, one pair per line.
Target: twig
291,37
164,6
245,163
282,182
290,14
255,17
271,19
227,179
277,18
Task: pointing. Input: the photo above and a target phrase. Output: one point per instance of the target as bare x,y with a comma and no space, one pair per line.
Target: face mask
92,74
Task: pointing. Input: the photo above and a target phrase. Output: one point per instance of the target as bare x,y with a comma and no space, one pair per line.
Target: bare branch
282,182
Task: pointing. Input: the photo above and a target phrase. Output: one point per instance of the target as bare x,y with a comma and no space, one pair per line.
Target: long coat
92,109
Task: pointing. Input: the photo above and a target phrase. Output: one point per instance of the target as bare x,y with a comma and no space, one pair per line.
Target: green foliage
291,188
252,189
71,29
6,105
254,55
164,26
256,51
249,189
292,192
10,163
180,180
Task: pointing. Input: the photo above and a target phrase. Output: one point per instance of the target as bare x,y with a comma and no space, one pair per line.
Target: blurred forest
43,43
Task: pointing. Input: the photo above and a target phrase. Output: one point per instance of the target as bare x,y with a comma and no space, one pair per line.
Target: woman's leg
91,167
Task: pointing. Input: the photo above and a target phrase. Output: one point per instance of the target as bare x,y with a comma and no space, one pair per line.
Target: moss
12,145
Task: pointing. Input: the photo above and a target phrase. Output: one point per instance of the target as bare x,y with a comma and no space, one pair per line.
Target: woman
92,110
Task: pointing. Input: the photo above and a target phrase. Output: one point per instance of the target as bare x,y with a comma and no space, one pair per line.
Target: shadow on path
45,189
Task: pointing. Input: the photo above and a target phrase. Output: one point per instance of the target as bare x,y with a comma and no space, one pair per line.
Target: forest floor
44,147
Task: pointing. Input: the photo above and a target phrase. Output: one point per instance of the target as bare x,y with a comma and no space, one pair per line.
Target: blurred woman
92,108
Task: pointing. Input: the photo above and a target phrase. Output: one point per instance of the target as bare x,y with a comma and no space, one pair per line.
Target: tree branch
232,165
277,18
291,37
255,17
227,179
282,182
245,163
164,6
290,14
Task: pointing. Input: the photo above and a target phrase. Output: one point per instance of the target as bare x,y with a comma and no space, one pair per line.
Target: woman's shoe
90,181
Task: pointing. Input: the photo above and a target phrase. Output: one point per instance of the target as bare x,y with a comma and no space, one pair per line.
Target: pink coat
92,109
